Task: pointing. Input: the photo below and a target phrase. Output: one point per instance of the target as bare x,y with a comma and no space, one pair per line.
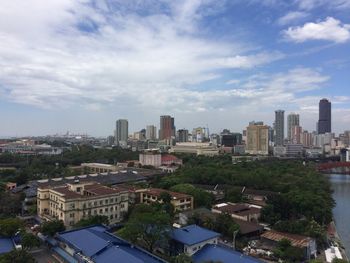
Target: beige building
206,149
98,167
257,139
73,202
153,158
180,201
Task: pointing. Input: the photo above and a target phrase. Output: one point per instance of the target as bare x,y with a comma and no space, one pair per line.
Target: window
101,211
106,209
101,202
106,201
71,215
95,212
95,203
111,209
122,205
111,217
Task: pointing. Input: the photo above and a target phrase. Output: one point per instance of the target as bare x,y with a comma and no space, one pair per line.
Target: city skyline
203,62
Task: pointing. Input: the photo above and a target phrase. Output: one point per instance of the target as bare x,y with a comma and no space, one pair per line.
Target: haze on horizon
79,65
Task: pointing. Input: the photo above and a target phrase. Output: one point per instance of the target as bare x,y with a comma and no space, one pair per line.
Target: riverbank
335,239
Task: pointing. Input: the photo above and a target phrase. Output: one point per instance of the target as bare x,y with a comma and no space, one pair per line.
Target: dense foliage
93,220
17,256
9,226
52,227
147,225
37,167
301,192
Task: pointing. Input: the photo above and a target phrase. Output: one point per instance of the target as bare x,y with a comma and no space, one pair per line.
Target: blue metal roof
64,255
192,234
216,253
6,245
101,246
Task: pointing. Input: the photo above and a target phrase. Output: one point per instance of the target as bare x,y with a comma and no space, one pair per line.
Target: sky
79,65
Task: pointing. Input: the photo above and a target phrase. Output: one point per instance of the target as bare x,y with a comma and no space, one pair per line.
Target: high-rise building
296,135
257,139
325,117
279,127
292,120
151,132
307,139
182,135
167,127
121,132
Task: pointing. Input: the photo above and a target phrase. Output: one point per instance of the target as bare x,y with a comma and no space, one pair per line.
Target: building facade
257,139
182,135
325,117
180,201
292,120
121,132
151,132
167,127
279,127
73,202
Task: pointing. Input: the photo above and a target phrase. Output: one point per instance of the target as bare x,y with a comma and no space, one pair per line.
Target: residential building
249,213
121,132
292,120
73,202
151,158
308,244
196,148
296,135
257,139
96,244
180,201
190,239
88,168
167,127
294,150
182,135
279,127
222,254
306,139
151,132
325,117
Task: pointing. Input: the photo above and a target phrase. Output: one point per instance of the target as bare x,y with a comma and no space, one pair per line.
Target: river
341,186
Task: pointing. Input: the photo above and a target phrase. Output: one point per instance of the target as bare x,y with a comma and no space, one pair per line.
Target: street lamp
234,239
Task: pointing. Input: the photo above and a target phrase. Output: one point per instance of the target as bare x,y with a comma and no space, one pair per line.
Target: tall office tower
279,127
257,139
325,117
121,132
296,135
182,135
151,132
167,127
292,120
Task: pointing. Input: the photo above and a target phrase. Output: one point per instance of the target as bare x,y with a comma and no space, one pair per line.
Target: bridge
334,167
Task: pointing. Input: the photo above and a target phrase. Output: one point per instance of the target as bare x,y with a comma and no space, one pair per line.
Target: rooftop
158,191
6,245
216,253
238,209
296,240
192,234
101,246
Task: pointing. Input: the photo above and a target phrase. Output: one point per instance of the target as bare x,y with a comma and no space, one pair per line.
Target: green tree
9,226
93,220
287,252
147,226
337,260
17,256
29,241
52,227
225,225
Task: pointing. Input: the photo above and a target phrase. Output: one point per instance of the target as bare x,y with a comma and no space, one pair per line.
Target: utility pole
234,239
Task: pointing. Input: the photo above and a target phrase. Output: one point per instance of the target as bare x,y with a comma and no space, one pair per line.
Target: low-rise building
96,244
222,254
245,212
98,168
73,202
307,244
180,201
190,239
207,149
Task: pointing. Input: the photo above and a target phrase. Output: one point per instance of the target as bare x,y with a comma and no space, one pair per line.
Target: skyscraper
325,117
292,120
167,127
151,132
182,135
279,127
121,132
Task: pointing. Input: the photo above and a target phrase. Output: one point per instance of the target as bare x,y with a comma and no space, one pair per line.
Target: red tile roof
158,191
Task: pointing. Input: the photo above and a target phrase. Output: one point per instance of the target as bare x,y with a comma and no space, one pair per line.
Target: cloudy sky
79,65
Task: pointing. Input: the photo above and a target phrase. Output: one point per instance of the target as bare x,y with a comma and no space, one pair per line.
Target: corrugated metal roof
192,234
296,240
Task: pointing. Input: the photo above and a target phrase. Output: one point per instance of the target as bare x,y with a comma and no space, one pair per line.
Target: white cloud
292,17
93,55
330,29
333,4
